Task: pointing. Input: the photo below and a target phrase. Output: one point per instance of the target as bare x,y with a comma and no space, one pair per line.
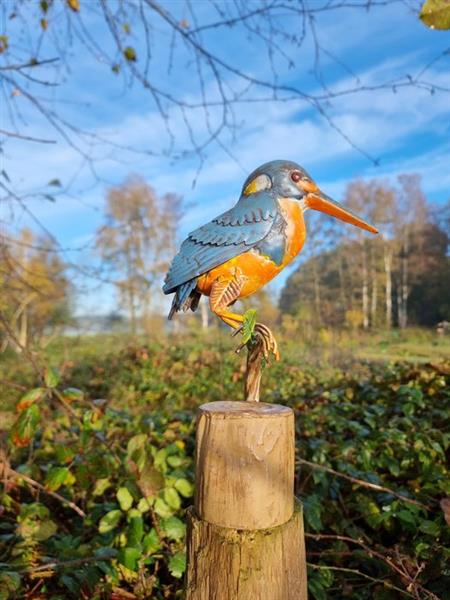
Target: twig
41,487
362,483
67,563
30,64
360,574
27,138
387,560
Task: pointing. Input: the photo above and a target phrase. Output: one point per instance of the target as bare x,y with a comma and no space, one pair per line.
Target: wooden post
245,536
253,372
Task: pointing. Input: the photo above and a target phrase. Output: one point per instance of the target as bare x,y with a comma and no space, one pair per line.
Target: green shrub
99,473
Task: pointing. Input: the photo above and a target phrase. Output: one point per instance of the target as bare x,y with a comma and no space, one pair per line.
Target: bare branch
362,483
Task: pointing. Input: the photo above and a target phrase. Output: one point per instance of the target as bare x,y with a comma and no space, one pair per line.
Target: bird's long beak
317,200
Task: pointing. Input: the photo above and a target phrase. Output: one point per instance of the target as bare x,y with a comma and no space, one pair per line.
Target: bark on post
253,373
245,540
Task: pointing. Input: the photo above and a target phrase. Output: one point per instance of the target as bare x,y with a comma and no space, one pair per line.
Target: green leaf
172,498
56,477
135,443
71,584
316,589
124,498
430,527
175,461
174,528
128,557
32,527
130,54
109,521
101,485
135,529
145,504
162,509
185,487
51,378
436,14
71,394
313,512
25,426
64,454
177,564
248,325
160,460
151,542
31,396
9,584
406,516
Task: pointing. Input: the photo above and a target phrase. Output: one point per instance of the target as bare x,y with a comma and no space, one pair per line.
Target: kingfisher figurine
244,248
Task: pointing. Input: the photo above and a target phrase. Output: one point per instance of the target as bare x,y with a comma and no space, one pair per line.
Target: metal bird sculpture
244,248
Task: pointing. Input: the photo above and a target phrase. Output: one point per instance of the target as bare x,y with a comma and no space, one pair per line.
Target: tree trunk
404,284
373,277
342,283
204,311
23,335
317,299
365,290
388,284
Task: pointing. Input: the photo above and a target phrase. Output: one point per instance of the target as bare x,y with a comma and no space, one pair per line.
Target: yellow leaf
436,14
74,5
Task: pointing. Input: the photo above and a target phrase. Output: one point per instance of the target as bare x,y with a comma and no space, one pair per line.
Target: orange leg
226,291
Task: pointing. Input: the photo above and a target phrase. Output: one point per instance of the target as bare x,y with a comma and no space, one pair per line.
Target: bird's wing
228,235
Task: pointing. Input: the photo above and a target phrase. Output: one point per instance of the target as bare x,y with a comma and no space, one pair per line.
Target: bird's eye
296,176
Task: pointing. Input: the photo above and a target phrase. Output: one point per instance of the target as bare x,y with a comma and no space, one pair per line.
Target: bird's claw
265,340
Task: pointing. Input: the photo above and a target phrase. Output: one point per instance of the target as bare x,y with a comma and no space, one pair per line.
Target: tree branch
362,483
42,488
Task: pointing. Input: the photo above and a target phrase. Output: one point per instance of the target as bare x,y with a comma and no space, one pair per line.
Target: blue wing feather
228,235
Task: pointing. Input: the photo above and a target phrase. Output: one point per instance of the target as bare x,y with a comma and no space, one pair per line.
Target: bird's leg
226,291
263,338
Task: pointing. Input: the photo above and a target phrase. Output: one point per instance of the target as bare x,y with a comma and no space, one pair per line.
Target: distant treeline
346,278
398,278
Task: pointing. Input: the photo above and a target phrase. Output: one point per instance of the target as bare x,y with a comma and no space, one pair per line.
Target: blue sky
407,131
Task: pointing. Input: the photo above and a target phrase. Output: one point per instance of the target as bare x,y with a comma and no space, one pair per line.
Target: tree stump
245,540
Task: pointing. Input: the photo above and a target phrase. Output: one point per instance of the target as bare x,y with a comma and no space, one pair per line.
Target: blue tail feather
185,297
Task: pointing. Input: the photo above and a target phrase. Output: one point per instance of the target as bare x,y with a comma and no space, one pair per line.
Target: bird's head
289,180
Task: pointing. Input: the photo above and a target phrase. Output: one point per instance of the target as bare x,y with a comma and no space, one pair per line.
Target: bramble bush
98,472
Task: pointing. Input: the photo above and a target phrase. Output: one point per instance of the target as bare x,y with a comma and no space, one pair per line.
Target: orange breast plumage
257,266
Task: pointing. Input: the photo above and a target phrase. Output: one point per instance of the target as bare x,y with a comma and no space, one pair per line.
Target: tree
429,295
167,54
411,215
410,256
46,45
34,290
137,242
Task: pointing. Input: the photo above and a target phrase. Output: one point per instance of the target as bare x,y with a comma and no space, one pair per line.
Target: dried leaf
445,505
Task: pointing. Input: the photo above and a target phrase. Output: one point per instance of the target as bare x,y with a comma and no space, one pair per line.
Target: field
98,462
